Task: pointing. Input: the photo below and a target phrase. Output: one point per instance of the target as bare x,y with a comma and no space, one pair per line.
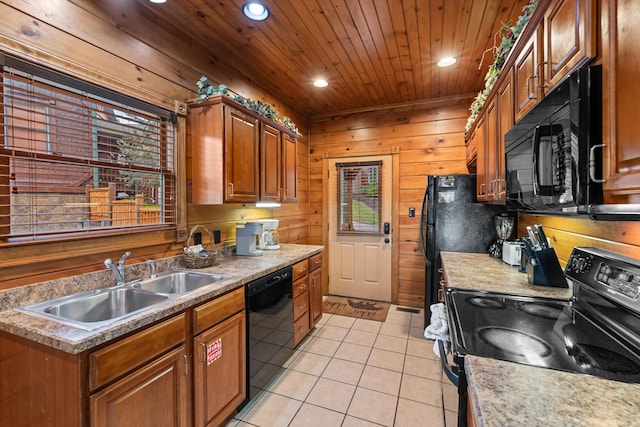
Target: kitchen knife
534,238
544,243
527,246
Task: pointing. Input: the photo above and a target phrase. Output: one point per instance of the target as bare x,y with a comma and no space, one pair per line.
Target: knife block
544,269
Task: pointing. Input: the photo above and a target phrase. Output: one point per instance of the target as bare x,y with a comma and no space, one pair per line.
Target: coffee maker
246,238
269,238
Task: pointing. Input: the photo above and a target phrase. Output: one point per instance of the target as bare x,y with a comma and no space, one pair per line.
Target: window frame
168,157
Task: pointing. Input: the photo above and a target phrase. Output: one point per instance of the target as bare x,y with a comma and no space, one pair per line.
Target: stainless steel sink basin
94,309
179,282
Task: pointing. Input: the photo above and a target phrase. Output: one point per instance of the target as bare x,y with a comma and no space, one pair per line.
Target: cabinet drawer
300,329
315,261
300,304
300,286
300,269
129,353
215,311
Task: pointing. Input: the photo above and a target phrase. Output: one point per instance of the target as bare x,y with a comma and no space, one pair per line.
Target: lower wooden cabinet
155,395
315,289
307,296
189,367
219,369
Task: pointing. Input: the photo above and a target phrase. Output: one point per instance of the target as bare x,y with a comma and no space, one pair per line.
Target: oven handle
452,372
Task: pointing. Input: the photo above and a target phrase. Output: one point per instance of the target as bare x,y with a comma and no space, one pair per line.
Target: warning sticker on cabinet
214,351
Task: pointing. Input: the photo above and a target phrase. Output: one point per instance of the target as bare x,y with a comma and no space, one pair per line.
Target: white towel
438,329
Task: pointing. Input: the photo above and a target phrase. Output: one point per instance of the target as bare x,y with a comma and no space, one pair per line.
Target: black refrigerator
452,220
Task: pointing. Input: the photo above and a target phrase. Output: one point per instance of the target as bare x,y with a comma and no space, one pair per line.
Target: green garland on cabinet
509,36
206,89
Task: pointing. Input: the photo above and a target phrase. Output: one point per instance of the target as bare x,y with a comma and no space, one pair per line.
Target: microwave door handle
593,163
537,134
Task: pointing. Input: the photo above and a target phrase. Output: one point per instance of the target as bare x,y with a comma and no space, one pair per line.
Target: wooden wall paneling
433,145
566,232
54,39
86,41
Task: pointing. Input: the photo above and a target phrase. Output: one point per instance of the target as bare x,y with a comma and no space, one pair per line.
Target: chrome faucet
152,268
118,270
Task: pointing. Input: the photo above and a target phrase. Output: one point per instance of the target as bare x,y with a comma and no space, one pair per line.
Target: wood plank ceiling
373,53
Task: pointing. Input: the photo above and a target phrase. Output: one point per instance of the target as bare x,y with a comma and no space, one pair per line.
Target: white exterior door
359,242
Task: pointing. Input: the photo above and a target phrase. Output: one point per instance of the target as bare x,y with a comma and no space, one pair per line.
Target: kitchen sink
179,282
94,309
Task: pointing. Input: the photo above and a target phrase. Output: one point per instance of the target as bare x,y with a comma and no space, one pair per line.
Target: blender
503,248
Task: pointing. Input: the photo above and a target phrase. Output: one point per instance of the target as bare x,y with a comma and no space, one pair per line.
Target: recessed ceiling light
321,83
446,61
158,1
255,11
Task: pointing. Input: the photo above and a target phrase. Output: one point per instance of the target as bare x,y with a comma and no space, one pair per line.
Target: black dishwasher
269,327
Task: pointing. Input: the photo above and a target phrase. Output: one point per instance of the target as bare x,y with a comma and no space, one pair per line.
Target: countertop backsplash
42,291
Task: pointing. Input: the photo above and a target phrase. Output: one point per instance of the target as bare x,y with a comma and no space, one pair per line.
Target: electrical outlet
197,238
216,236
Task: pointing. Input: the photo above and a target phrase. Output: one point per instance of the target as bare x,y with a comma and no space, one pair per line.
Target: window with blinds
359,197
77,158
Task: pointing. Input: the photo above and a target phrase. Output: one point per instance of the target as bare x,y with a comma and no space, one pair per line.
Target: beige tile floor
352,372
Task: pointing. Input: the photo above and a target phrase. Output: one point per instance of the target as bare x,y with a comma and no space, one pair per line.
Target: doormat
354,307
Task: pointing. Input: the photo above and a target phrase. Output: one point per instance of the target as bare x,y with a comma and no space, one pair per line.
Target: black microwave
554,153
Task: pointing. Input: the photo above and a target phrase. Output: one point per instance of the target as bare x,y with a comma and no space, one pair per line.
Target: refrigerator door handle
423,224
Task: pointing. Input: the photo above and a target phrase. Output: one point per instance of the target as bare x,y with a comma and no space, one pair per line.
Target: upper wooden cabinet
621,92
270,163
505,122
241,144
289,168
527,90
569,38
559,37
491,141
238,156
479,138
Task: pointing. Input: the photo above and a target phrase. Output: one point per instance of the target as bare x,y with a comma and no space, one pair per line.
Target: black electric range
596,332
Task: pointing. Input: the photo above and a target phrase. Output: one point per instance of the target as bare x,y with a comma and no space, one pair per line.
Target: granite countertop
242,269
512,394
530,396
484,273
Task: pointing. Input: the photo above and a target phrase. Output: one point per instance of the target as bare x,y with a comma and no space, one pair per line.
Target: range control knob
581,264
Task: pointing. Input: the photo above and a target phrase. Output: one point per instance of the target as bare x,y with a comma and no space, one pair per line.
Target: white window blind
76,160
359,197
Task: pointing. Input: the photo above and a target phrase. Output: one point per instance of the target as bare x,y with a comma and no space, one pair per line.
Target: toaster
511,252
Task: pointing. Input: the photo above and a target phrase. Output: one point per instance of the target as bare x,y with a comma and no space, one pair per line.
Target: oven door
452,401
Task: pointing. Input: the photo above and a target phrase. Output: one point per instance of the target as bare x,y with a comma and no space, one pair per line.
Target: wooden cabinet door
481,158
154,395
289,169
315,296
241,157
270,163
491,141
621,62
527,78
219,371
569,38
505,114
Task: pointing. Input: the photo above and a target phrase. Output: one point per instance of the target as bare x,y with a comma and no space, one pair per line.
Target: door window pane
359,197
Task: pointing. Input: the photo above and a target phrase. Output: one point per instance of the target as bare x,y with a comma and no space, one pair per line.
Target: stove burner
514,342
540,310
485,302
591,356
